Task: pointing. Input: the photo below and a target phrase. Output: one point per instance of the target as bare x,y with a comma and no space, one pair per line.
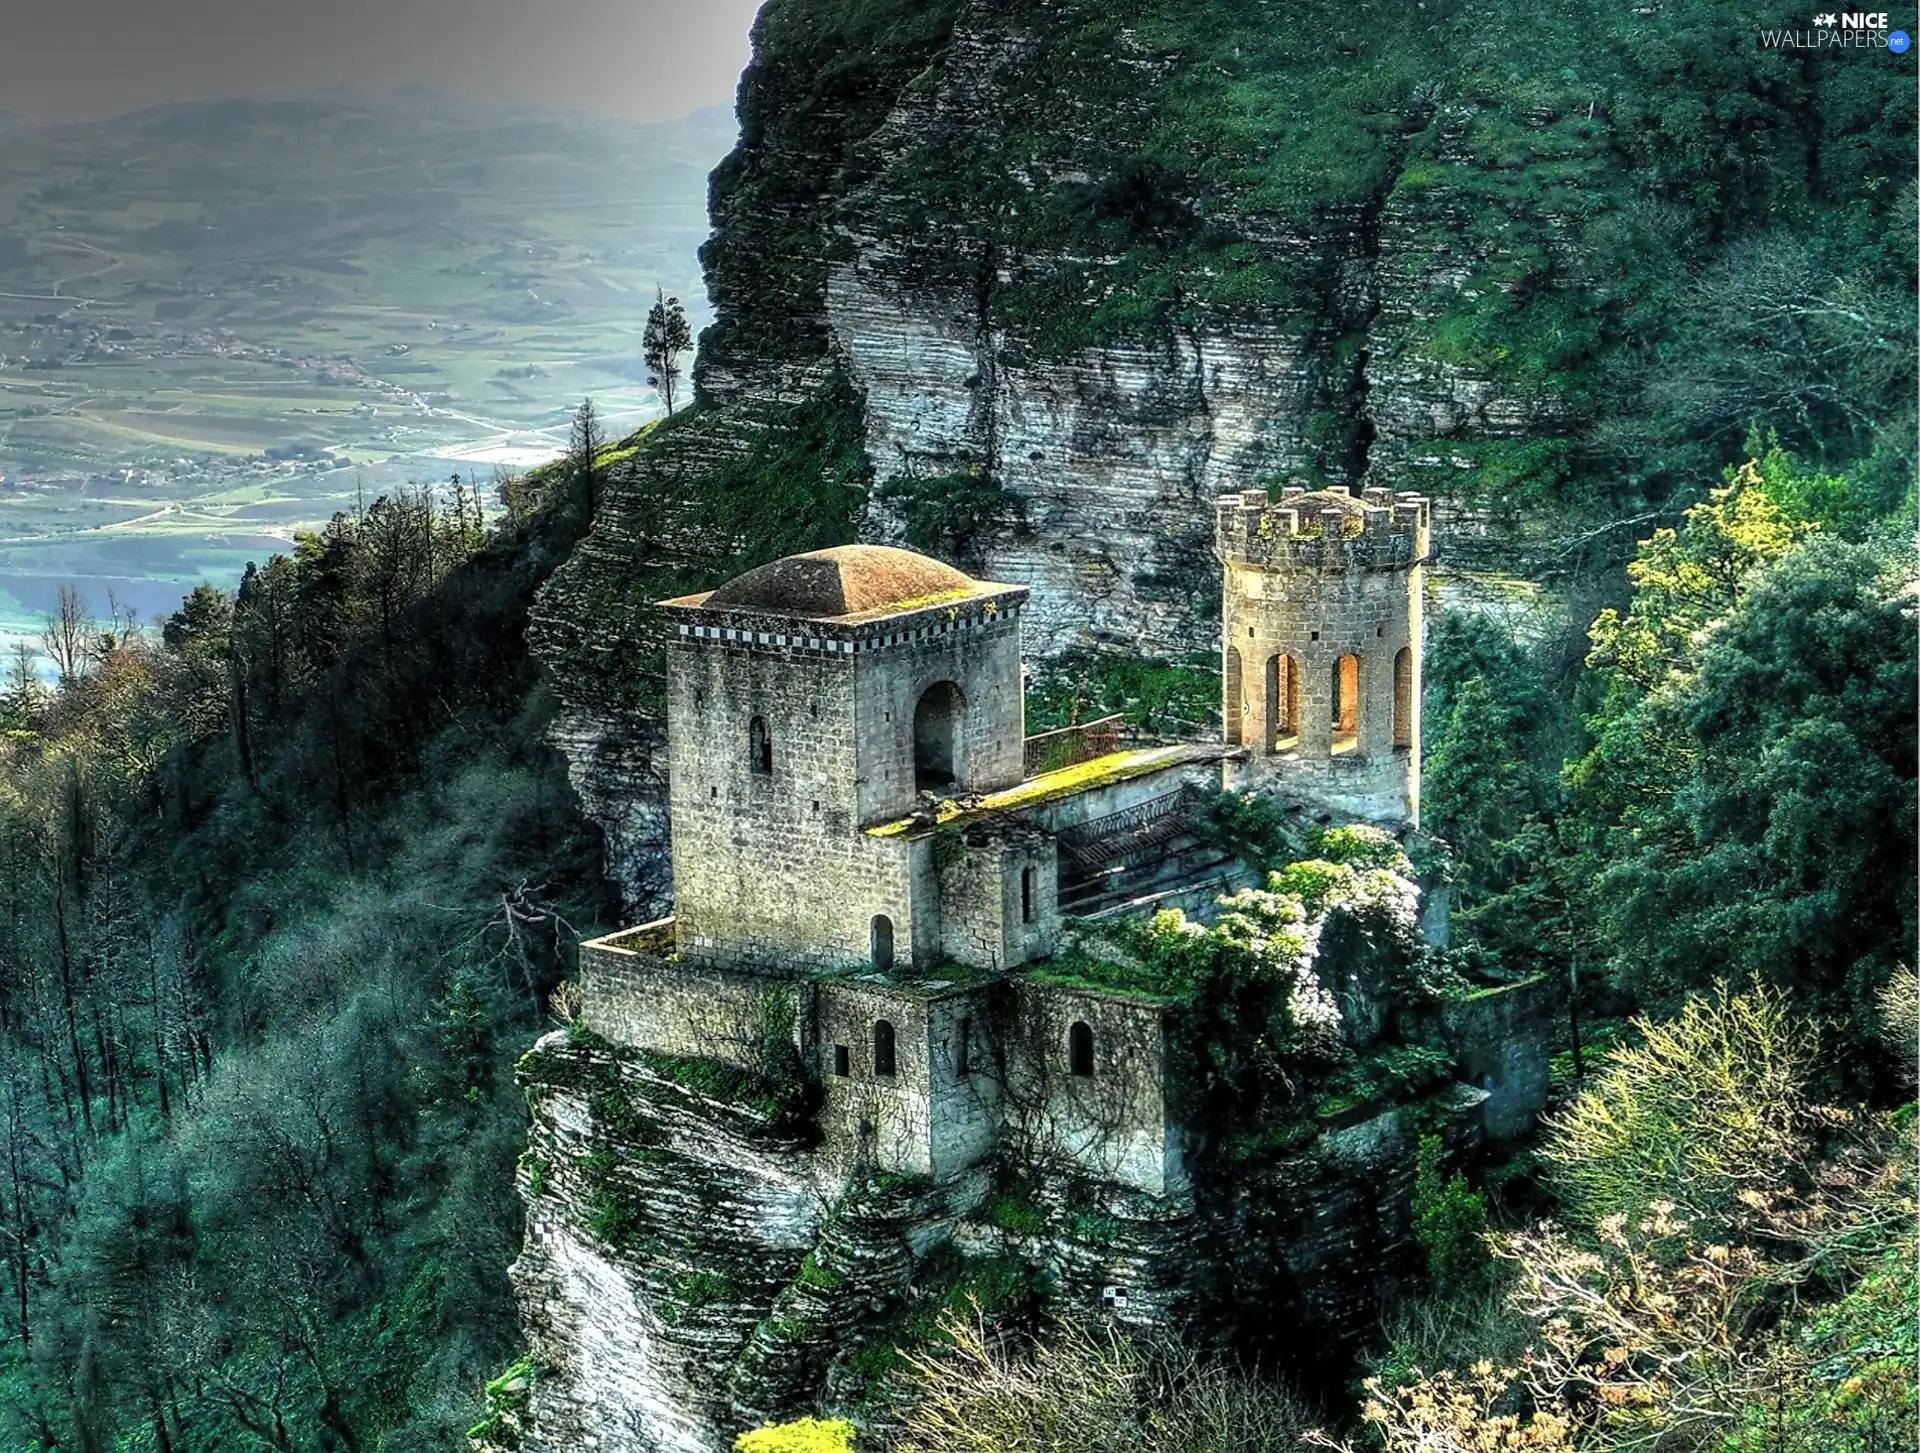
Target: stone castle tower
1321,622
812,698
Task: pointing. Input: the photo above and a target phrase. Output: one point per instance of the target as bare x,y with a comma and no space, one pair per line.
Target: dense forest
287,881
290,876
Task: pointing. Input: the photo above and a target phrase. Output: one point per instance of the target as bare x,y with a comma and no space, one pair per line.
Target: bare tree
68,635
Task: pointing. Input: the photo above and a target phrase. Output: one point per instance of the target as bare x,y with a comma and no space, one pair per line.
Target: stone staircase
1135,859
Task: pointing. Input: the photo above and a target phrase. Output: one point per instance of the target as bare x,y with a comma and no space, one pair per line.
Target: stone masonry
1321,644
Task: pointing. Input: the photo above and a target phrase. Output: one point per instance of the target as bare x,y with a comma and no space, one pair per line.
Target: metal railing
1070,746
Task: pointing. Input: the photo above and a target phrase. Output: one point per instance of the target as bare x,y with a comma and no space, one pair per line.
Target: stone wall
868,1118
769,865
984,662
638,997
1503,1040
999,896
1113,1124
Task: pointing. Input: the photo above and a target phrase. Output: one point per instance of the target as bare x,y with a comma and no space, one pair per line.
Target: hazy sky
643,59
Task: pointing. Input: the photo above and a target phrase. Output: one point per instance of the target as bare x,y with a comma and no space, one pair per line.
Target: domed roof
846,580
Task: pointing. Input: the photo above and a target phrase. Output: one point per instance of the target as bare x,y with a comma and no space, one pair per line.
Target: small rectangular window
842,1061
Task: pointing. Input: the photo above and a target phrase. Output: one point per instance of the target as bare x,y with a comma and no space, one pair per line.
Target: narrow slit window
962,1048
760,747
842,1061
883,1056
1026,895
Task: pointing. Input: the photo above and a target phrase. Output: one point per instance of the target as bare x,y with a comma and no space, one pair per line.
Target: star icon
1823,19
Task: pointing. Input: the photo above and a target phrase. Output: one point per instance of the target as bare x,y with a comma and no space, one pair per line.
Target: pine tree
666,338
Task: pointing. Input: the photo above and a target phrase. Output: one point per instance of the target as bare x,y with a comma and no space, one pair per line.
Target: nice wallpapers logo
1841,30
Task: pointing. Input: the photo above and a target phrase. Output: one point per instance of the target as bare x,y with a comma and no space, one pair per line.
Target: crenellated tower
1321,625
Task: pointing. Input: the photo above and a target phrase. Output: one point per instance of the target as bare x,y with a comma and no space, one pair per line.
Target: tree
1703,1108
69,635
1745,816
1779,1320
1086,1389
26,695
666,338
583,456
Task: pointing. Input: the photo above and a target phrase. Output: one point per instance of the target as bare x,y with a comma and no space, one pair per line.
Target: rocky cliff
1027,283
698,1259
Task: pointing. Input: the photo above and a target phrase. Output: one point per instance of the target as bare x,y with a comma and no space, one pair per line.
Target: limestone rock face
961,303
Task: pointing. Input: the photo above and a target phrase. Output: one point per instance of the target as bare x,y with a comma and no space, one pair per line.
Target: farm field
220,323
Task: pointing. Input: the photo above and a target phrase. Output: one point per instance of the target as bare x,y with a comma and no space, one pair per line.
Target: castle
873,864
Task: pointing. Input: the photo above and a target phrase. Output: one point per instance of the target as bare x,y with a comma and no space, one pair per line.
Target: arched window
760,746
880,941
1346,704
1283,703
938,747
1230,708
1080,1049
1026,895
883,1049
1403,697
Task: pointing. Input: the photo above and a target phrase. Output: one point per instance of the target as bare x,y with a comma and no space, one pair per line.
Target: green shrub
1450,1223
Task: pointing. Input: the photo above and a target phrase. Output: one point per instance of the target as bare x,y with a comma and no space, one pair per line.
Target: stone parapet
1331,530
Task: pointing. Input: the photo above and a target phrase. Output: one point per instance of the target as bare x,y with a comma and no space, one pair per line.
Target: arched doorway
880,942
1283,703
1346,704
1080,1049
939,745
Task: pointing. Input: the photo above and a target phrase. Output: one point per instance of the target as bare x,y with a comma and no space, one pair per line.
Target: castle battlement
947,614
1329,529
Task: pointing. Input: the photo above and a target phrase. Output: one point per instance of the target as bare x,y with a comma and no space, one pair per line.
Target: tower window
842,1061
883,1060
760,747
880,942
1283,703
1346,704
1403,697
1230,706
1080,1049
938,746
962,1047
1026,895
